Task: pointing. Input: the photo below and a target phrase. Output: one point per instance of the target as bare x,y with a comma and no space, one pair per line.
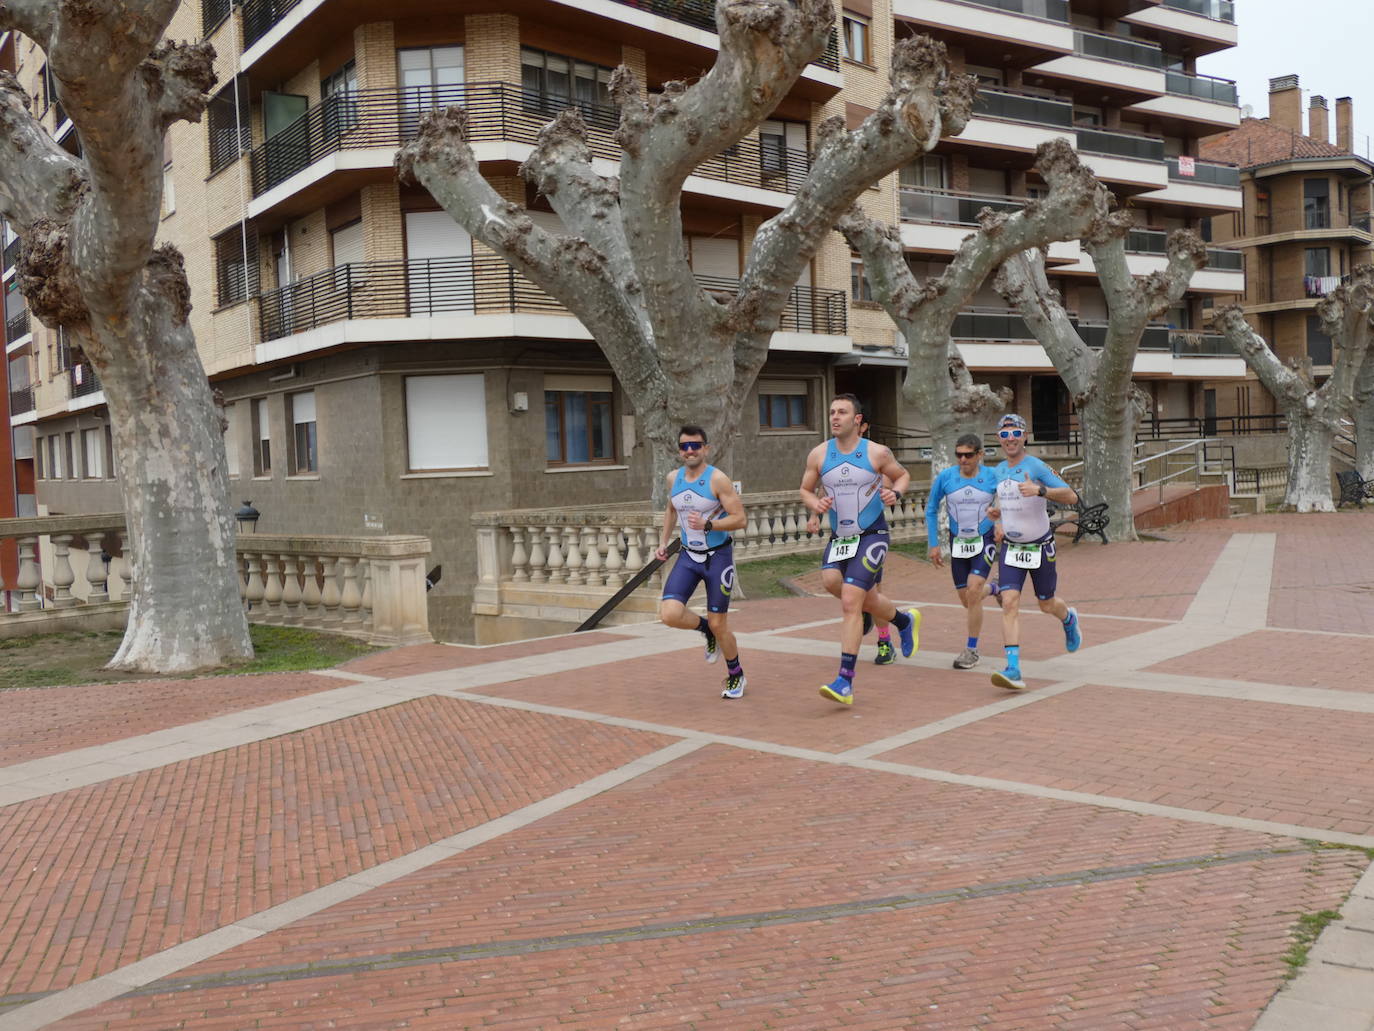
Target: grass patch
765,577
1305,932
1314,844
59,660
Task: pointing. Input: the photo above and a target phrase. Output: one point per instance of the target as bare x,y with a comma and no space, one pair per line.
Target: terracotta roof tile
1256,142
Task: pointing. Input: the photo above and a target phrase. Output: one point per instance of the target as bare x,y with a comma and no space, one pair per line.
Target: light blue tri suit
967,499
1025,520
708,557
858,511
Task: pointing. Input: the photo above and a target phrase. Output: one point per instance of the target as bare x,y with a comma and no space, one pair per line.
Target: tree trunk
1108,455
1364,420
1309,463
185,613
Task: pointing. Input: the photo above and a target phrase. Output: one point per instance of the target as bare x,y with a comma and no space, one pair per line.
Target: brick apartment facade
383,373
1304,224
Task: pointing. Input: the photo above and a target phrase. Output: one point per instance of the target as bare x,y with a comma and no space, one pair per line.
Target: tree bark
681,354
1314,413
1109,406
938,384
1364,419
88,264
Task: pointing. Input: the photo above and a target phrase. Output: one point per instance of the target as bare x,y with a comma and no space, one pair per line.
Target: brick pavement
520,844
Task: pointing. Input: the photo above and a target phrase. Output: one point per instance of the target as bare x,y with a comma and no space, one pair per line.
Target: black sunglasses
690,445
965,454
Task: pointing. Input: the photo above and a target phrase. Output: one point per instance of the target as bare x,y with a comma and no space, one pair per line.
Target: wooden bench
1084,518
1354,488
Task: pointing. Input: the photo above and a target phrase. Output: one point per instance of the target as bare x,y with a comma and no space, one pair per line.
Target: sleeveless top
856,487
695,495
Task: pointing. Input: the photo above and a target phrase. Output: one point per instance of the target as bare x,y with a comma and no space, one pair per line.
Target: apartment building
385,373
1304,224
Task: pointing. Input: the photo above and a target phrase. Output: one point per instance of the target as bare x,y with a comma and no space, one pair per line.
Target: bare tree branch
1283,382
1344,315
38,179
34,18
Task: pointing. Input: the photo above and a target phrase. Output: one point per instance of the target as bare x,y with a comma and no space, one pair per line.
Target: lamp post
247,517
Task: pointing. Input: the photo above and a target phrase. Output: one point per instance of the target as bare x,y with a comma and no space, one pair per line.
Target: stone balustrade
77,572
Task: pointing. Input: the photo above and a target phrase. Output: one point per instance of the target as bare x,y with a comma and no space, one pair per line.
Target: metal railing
473,286
924,204
995,324
212,12
497,111
1120,144
1156,241
1051,10
1168,470
1206,172
11,254
1203,87
1186,342
82,380
1217,10
21,400
1212,426
1121,49
1023,107
17,325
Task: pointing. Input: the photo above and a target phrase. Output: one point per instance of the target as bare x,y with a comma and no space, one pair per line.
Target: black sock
901,619
848,660
704,627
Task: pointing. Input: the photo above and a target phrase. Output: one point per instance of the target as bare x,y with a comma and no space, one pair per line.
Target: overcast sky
1326,43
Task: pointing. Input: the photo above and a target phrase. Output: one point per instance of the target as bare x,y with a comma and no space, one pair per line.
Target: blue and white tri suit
858,511
967,499
708,557
1025,520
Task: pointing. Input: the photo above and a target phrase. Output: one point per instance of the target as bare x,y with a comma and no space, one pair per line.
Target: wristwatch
1042,490
706,526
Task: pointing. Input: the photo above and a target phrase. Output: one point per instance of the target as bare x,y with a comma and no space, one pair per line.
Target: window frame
237,242
407,413
88,436
261,419
597,401
788,390
312,436
228,125
850,18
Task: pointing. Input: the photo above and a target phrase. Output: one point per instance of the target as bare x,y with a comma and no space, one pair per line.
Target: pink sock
884,633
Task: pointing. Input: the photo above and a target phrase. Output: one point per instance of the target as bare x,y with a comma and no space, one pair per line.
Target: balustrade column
350,599
126,566
97,574
272,589
253,591
591,548
572,548
557,574
539,561
519,558
634,558
615,565
311,613
62,575
365,575
291,590
29,575
331,595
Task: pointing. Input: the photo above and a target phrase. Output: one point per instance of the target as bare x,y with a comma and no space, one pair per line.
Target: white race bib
842,548
966,547
1023,556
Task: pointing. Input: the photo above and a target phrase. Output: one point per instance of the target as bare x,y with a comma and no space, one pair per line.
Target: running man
703,506
968,490
1023,484
844,481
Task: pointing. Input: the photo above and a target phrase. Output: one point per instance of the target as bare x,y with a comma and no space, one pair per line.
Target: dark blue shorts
865,568
979,565
1045,580
717,569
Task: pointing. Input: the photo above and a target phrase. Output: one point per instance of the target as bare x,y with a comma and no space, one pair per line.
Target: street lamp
247,517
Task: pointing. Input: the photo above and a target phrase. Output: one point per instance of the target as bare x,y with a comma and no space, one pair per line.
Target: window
854,38
783,405
305,454
169,190
340,103
93,450
236,265
578,420
231,437
446,422
860,289
553,82
1204,228
1318,343
262,437
781,144
930,171
430,77
40,457
69,455
347,245
229,131
1316,204
1317,261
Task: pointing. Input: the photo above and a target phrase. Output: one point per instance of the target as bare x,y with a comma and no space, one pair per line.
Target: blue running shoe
887,654
839,690
1073,636
734,686
911,636
1010,678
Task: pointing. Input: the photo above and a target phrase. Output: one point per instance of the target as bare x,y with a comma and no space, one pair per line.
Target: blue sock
733,667
848,660
1013,656
973,643
902,619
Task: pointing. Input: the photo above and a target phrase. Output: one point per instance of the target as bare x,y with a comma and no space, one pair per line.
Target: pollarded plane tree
1108,403
683,354
939,388
1364,420
1314,413
89,264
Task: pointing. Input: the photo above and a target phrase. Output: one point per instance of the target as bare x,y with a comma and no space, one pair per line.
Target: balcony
1191,101
1117,49
1134,146
1206,172
1203,87
82,380
11,254
1216,10
1020,31
470,287
1009,121
1320,286
377,122
1187,343
1196,27
1124,158
945,207
995,324
1022,107
21,400
1115,70
1209,186
1155,241
17,325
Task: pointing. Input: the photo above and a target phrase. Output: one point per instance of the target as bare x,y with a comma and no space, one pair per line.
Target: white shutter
439,264
715,256
303,407
348,244
446,422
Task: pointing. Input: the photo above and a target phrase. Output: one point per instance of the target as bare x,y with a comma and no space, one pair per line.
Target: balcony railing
1022,107
21,400
497,111
469,286
1118,48
1204,87
83,380
1120,144
998,324
1156,241
1360,220
1052,10
11,254
17,325
944,206
1206,172
260,15
1217,10
1184,342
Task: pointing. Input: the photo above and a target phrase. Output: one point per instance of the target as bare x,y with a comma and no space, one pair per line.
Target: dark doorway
1049,408
1209,413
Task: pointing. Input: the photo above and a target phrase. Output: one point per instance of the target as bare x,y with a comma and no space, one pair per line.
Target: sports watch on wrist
707,526
1042,490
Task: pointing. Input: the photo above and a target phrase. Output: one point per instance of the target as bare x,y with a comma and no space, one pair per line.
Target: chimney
1316,119
1345,135
1285,103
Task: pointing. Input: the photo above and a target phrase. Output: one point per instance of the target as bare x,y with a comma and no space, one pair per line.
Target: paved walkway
579,833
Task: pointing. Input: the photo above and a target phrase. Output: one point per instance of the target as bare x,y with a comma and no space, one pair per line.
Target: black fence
470,286
497,112
1008,325
1118,48
1156,241
1023,107
1120,144
1204,87
1206,172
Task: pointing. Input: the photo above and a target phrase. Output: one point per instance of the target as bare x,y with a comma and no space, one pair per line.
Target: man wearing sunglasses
703,505
844,482
1023,485
967,490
